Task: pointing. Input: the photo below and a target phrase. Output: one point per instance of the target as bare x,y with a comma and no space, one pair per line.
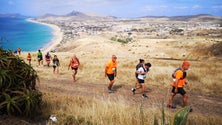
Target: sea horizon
22,33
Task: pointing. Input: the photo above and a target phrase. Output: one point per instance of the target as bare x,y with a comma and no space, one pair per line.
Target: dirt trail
201,103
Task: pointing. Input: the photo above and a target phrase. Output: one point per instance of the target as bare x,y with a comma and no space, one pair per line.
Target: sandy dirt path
201,103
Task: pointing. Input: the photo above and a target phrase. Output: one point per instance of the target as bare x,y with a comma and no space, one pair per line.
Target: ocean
21,33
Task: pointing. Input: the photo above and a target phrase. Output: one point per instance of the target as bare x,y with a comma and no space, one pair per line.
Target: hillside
87,101
76,16
91,86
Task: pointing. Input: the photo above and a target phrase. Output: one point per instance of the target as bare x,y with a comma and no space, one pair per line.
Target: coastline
57,36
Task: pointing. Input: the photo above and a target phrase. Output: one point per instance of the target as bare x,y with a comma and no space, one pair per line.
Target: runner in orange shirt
19,50
74,64
178,84
111,72
29,58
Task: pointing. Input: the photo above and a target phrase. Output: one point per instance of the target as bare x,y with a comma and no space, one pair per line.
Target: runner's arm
176,85
106,68
58,63
140,72
78,60
187,85
69,64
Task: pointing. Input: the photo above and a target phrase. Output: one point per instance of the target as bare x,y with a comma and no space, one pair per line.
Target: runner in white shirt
142,72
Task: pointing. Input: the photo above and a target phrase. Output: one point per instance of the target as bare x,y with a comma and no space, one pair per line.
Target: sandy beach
57,36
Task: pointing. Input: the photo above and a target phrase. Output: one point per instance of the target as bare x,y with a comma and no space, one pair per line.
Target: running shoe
133,91
144,96
191,109
110,90
171,106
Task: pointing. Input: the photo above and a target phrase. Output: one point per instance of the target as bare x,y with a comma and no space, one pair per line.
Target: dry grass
104,111
81,104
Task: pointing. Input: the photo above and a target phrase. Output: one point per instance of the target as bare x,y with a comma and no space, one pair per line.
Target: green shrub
121,41
176,31
124,40
113,38
18,95
180,117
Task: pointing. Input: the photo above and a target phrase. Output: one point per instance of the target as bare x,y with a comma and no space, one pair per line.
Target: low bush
18,94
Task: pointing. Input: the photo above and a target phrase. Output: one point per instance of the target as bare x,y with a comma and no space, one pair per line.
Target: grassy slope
87,99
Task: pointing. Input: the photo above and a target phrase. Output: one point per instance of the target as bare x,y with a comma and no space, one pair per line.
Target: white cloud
181,7
154,10
113,7
163,6
66,6
217,7
148,8
196,7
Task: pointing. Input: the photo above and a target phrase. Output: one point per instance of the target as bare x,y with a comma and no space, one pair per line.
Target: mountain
199,17
75,13
13,15
76,16
48,15
79,16
189,18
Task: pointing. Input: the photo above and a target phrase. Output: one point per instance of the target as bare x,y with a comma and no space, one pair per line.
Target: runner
39,56
140,64
178,83
111,72
29,58
56,64
142,72
15,52
48,59
19,50
74,64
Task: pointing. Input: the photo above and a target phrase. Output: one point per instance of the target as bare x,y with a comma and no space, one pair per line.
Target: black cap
141,60
148,64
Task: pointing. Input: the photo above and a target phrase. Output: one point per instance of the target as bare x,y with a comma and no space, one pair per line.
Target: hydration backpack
184,73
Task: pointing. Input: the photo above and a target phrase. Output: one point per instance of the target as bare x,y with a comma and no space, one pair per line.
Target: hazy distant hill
13,15
48,15
75,13
200,17
78,16
191,18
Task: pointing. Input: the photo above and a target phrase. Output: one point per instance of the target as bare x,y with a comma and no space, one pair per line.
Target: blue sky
118,8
